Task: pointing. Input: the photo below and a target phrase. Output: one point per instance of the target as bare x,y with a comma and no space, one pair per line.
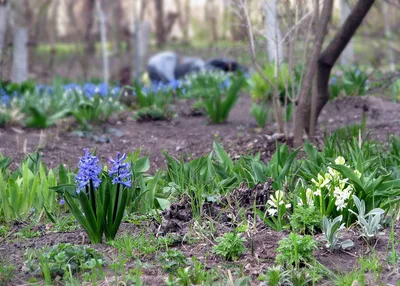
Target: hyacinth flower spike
85,199
118,195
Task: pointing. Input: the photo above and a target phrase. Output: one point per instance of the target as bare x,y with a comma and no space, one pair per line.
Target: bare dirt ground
190,136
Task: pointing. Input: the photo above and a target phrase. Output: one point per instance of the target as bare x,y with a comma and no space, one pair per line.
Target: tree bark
304,98
90,48
211,17
272,32
21,21
184,18
348,53
117,14
160,27
103,35
325,62
388,36
3,26
238,29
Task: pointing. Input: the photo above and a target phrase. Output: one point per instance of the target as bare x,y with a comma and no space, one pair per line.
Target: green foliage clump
7,272
64,258
27,190
172,260
152,114
136,246
295,250
261,113
349,81
262,90
305,220
195,274
230,246
219,103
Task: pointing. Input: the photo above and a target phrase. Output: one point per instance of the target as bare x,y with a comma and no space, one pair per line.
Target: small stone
277,136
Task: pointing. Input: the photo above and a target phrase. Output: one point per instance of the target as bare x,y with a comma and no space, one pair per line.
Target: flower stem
116,202
92,197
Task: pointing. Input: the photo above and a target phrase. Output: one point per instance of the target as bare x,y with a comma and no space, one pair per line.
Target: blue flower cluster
173,85
120,171
89,171
4,97
91,89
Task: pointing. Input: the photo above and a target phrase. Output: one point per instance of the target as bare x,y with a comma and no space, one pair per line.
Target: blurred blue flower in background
5,100
102,89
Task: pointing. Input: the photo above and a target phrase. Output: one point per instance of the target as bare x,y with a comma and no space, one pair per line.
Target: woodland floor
192,137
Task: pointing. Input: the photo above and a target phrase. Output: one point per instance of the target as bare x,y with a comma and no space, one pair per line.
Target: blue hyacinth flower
120,171
89,89
89,172
102,89
5,100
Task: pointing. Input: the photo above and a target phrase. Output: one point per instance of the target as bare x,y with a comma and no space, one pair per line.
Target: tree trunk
388,36
304,98
184,18
211,17
103,34
238,29
325,62
90,40
348,53
272,32
3,27
160,27
21,21
116,25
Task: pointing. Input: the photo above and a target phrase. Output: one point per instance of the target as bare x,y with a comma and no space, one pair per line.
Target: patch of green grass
7,272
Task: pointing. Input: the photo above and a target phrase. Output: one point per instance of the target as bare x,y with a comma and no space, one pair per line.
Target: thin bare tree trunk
311,68
161,32
388,36
184,18
326,60
89,39
21,19
116,25
3,26
136,42
348,53
272,31
103,35
314,92
212,17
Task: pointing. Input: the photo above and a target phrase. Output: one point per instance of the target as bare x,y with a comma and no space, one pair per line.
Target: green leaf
222,156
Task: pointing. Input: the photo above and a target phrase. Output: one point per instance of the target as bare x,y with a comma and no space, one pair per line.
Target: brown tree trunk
117,15
325,62
160,27
238,29
212,18
184,18
304,98
90,48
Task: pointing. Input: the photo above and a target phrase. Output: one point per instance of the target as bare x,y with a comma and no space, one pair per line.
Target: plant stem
116,202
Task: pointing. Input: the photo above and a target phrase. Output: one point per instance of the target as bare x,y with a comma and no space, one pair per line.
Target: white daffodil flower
322,181
272,211
358,173
310,197
340,160
277,200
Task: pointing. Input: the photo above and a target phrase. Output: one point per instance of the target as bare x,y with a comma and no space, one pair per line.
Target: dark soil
190,136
